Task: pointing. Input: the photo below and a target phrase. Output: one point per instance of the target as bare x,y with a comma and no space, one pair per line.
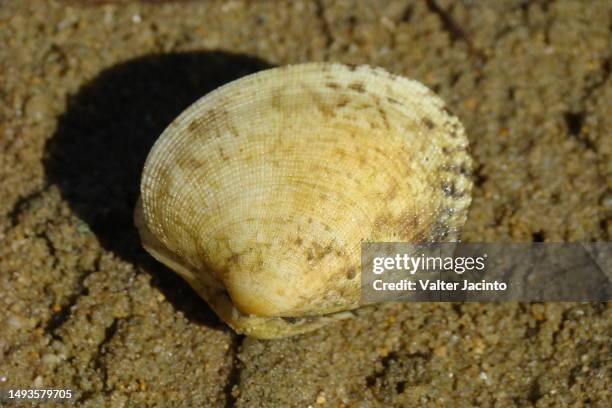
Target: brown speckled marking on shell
428,123
261,193
357,87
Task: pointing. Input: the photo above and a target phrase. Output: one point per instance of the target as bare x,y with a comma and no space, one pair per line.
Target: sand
86,87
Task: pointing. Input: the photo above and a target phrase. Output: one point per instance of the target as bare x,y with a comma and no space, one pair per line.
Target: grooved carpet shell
261,192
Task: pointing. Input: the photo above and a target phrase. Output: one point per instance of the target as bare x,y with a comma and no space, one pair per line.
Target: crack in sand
233,378
325,27
455,31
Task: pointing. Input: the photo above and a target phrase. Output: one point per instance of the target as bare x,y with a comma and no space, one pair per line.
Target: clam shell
262,191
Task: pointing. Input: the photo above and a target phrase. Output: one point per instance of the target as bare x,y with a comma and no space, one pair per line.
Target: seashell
261,192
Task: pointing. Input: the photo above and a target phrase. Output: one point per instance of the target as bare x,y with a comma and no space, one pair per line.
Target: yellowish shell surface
261,192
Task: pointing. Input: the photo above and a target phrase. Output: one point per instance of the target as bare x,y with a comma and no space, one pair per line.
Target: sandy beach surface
87,86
